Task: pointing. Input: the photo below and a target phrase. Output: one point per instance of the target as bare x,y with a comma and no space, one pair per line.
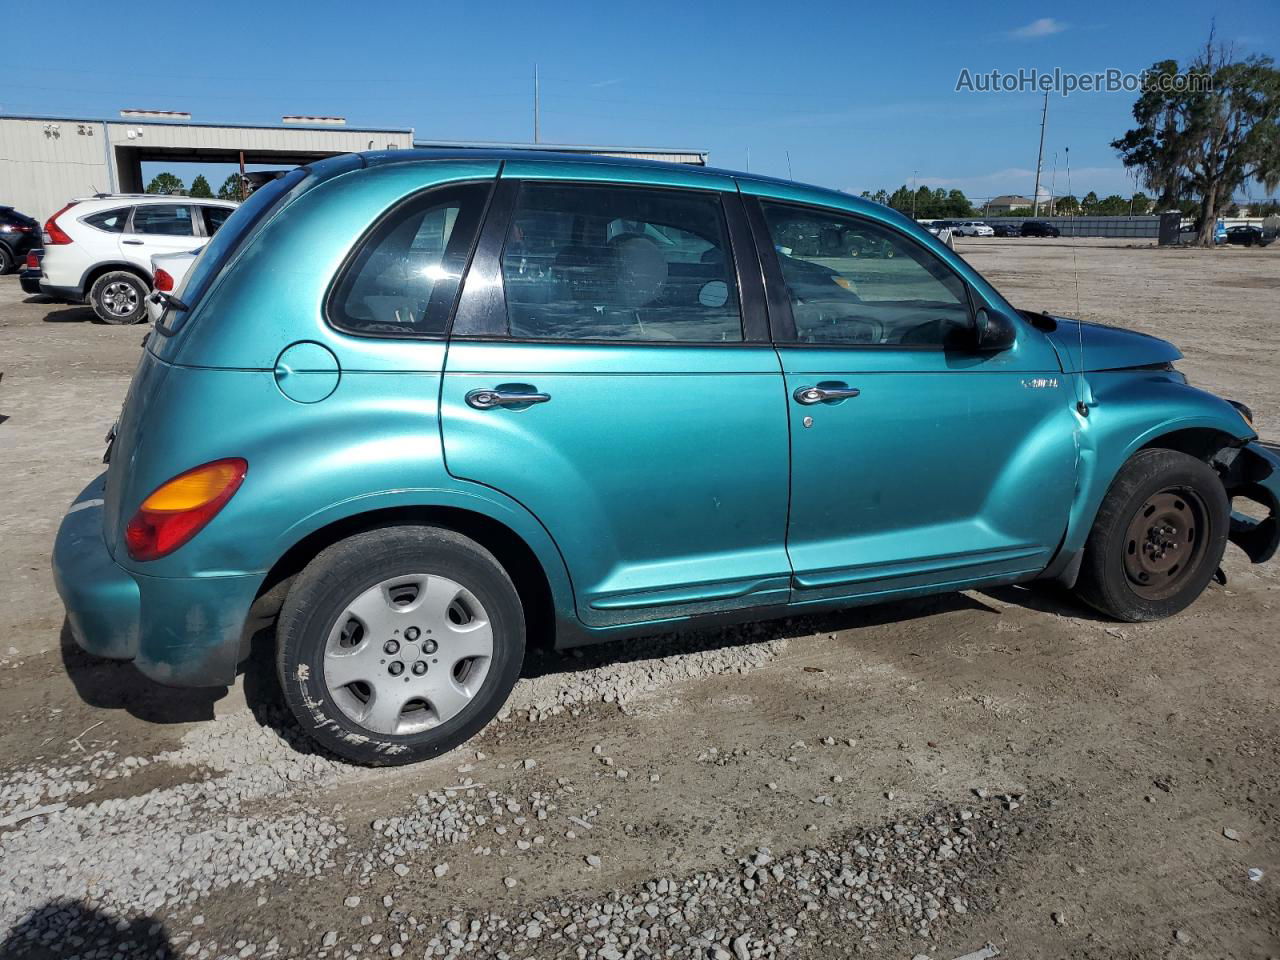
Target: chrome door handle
810,395
486,398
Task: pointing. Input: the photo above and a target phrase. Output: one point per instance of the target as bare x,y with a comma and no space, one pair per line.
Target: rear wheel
119,297
6,260
1158,537
399,644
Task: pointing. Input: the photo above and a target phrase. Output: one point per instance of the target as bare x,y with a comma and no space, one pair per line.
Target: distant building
997,206
45,161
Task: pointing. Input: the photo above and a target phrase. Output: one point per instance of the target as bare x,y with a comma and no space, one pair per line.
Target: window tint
405,277
619,263
163,219
215,217
853,281
112,221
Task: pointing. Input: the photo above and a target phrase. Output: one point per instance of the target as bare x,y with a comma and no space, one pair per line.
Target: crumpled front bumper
183,632
1254,473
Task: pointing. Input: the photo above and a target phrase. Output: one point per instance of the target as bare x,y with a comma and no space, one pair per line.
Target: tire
6,260
381,599
119,297
1165,518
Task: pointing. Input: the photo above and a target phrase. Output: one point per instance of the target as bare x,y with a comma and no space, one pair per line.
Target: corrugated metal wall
43,164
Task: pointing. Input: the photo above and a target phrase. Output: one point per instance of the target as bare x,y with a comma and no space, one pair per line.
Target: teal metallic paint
101,598
663,482
626,465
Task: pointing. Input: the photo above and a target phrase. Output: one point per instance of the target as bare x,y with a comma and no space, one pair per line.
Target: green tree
1089,204
230,189
1140,204
165,183
957,206
200,187
1067,206
1207,138
1112,206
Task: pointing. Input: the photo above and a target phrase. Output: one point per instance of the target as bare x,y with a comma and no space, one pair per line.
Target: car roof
427,155
152,198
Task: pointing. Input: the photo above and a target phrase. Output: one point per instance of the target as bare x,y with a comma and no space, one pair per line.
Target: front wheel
1158,537
398,644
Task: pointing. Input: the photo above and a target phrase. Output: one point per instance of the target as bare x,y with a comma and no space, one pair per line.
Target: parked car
168,271
30,274
98,250
427,409
1247,235
1005,230
973,228
1039,228
19,234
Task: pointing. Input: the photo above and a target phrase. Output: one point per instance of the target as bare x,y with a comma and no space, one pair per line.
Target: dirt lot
918,778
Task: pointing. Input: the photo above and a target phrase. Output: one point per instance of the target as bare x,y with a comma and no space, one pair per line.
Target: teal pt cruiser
425,409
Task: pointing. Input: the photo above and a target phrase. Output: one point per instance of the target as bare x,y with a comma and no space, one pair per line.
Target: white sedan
168,272
973,228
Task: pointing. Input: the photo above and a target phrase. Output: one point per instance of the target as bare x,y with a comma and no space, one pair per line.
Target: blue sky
861,96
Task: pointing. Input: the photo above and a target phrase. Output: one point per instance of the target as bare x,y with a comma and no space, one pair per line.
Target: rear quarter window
110,221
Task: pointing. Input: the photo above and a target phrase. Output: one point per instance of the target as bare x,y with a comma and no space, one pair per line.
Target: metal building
46,161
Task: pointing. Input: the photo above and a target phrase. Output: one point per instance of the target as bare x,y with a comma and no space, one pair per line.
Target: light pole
1053,179
915,174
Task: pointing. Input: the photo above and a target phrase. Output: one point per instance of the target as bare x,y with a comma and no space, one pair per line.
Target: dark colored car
1039,228
1005,230
18,234
1247,235
31,273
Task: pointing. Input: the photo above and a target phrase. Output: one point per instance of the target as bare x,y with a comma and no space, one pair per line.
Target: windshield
223,245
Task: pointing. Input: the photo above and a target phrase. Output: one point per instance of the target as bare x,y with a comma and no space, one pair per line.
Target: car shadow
1047,597
61,928
74,314
118,685
546,660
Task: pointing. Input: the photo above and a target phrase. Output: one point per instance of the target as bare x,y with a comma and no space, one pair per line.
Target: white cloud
1044,27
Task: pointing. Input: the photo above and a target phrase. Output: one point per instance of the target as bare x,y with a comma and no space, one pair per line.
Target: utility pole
1053,197
1044,114
915,174
537,108
789,176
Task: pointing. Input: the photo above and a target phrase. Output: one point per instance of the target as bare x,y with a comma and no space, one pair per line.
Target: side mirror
995,331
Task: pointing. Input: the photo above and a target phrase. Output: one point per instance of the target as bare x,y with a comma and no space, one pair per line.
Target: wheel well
1199,442
92,276
516,557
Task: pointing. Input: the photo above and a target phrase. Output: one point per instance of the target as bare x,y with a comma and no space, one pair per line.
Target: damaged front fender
1253,472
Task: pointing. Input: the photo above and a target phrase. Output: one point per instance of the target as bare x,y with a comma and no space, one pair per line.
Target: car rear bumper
61,293
184,632
1254,473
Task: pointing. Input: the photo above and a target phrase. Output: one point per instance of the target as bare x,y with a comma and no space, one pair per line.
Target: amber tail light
180,508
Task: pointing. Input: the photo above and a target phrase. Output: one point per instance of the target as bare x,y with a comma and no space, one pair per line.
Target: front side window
215,217
404,278
852,281
610,263
163,219
110,221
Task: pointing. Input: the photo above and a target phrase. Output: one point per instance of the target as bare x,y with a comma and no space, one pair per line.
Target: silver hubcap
408,654
120,298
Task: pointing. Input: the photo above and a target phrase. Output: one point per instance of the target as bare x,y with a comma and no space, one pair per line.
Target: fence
1136,228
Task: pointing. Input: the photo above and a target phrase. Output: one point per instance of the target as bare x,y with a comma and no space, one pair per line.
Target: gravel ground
913,780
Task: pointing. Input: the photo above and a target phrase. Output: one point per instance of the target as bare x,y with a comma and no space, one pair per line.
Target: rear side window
619,263
110,221
163,219
214,218
404,277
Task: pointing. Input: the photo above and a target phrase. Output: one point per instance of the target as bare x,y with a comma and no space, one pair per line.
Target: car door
916,460
159,228
610,368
